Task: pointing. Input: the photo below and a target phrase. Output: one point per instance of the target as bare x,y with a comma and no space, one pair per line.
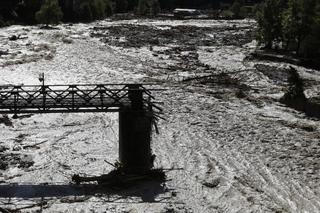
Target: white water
256,154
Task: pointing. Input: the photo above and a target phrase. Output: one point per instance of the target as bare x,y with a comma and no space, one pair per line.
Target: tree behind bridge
49,13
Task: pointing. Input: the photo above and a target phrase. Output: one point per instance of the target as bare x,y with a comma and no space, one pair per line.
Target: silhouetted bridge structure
134,102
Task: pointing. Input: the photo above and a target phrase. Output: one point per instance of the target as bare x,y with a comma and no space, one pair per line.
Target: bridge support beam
135,134
134,141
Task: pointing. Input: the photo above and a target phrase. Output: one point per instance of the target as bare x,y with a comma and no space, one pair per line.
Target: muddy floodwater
238,148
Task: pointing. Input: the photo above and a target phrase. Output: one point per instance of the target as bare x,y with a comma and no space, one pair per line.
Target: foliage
294,25
246,11
2,23
49,13
132,4
154,7
108,8
270,22
235,8
85,12
148,7
227,14
28,9
167,4
90,10
298,21
310,47
121,6
143,7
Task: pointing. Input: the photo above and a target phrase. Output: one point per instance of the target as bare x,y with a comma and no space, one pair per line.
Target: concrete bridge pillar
135,134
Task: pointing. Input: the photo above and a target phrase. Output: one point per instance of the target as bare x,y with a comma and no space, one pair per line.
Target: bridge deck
73,98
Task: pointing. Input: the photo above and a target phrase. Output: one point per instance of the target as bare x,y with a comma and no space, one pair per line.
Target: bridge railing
74,98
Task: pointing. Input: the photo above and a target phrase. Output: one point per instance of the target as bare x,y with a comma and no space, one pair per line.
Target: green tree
85,12
28,9
108,8
154,7
2,23
121,6
269,20
148,7
49,13
298,22
290,22
90,10
143,7
235,8
132,4
97,9
310,47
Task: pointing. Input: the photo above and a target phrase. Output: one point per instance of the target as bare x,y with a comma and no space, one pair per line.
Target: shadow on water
147,191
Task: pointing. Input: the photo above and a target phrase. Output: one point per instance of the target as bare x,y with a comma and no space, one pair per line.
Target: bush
235,8
132,4
28,9
270,23
90,10
246,11
298,20
85,13
310,46
143,7
97,8
121,6
227,14
2,23
295,24
148,7
154,8
108,8
49,13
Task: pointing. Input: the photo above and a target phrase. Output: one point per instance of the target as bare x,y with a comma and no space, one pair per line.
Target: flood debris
14,37
10,159
219,79
120,179
34,146
42,204
278,75
130,35
4,52
133,35
4,119
212,184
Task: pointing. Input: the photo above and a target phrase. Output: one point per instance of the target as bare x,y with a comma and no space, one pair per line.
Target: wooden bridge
134,102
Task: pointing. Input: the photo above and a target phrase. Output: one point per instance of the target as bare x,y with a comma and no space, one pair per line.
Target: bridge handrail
16,98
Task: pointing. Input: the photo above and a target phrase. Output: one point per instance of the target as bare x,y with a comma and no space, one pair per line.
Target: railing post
15,101
44,93
135,133
15,95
